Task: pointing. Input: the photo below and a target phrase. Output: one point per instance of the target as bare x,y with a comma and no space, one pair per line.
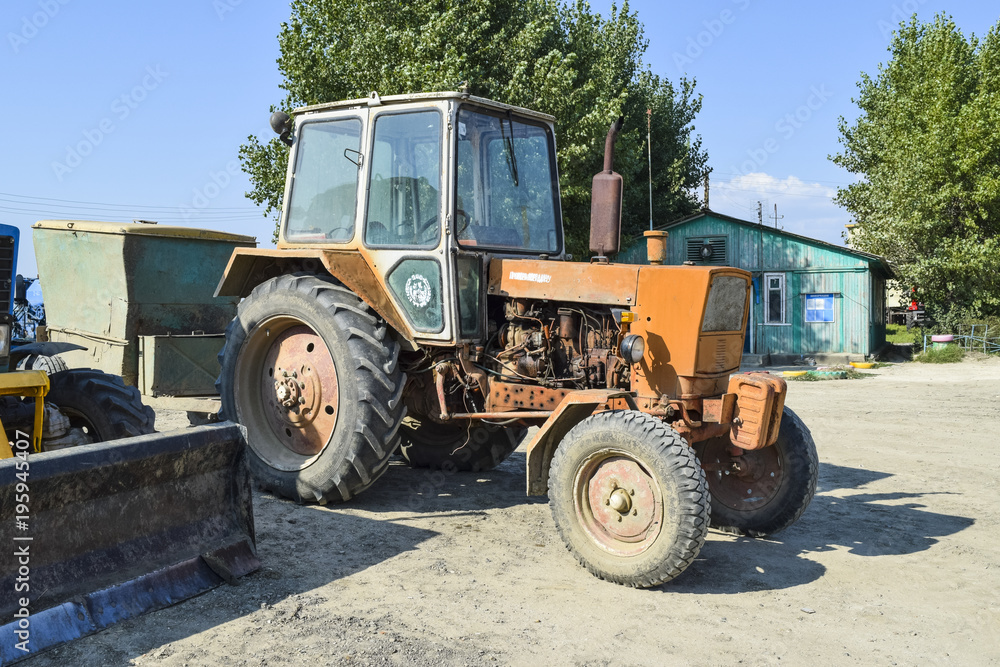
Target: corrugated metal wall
859,317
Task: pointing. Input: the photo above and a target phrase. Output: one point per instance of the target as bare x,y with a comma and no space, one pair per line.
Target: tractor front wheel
761,492
311,373
629,498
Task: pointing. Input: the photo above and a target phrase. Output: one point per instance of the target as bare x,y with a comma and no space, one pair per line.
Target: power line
160,216
774,192
802,178
26,200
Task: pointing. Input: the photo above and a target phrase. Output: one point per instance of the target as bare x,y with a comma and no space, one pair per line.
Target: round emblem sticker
418,290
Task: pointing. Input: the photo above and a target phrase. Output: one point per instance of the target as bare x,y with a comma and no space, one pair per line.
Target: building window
819,308
774,312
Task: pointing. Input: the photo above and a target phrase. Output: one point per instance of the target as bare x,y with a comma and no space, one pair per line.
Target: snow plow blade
102,533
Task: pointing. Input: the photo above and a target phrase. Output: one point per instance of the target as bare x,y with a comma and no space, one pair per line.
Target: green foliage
927,149
898,334
948,354
560,59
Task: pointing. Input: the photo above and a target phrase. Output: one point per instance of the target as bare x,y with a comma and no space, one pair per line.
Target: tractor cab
426,188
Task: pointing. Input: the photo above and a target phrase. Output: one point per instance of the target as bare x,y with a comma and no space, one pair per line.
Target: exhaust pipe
606,201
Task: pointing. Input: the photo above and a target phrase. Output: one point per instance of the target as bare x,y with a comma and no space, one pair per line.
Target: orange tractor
421,300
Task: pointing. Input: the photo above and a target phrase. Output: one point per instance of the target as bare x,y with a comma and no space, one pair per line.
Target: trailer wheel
40,362
469,446
312,374
766,490
629,498
100,405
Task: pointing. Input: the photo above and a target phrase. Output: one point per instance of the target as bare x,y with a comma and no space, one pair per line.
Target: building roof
876,259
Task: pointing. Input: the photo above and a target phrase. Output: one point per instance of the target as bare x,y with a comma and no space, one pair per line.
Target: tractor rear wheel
102,406
761,492
471,447
629,498
312,374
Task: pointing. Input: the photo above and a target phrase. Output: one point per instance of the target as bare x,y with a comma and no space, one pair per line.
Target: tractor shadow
421,492
863,524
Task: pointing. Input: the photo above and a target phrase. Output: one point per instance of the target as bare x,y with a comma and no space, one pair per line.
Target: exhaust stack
606,201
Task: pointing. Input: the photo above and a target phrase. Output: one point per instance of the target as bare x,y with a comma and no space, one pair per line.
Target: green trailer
139,298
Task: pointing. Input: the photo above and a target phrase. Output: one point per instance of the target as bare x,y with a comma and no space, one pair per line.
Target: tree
541,54
927,146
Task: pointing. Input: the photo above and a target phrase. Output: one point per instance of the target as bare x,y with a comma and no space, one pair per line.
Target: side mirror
282,125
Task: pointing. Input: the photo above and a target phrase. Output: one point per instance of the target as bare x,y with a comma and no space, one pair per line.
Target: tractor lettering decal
531,277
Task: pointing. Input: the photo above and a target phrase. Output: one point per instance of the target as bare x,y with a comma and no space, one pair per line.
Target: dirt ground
896,562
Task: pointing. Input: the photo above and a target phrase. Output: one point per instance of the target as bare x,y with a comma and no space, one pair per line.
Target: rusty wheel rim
618,503
746,481
287,392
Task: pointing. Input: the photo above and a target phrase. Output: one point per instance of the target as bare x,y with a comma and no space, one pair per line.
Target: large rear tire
313,375
629,498
763,491
468,447
101,405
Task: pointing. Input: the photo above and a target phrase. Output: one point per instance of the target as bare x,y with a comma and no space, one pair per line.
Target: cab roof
374,100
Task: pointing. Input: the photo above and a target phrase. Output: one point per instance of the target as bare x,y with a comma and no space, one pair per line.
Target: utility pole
760,213
776,217
705,206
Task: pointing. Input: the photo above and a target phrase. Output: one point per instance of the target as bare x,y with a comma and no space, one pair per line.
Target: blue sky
121,110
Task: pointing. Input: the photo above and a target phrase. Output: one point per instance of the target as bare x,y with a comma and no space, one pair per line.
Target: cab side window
323,201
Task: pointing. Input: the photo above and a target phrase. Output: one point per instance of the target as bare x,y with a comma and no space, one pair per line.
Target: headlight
632,348
4,341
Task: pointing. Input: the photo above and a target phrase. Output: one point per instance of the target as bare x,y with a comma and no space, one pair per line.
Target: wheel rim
287,392
618,503
78,420
747,481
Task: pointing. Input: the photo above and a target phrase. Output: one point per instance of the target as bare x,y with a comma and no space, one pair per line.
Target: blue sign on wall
819,307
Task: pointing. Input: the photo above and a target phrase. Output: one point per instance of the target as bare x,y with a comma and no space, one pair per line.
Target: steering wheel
463,227
425,231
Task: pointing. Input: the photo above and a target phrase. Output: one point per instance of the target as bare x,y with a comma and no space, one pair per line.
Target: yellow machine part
30,384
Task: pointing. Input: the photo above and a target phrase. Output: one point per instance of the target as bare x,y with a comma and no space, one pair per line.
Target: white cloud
807,208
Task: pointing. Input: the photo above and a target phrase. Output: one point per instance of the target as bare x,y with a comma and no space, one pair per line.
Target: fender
249,267
573,409
47,349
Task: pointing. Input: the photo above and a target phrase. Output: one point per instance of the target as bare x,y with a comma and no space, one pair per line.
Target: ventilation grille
6,272
715,251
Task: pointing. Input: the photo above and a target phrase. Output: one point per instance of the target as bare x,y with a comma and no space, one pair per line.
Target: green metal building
809,298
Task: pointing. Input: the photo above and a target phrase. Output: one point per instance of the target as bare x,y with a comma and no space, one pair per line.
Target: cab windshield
507,188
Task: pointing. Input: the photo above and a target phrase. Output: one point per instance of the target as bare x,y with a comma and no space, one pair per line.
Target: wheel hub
299,390
745,481
620,501
621,508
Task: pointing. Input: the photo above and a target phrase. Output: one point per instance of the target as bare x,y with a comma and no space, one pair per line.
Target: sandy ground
896,562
